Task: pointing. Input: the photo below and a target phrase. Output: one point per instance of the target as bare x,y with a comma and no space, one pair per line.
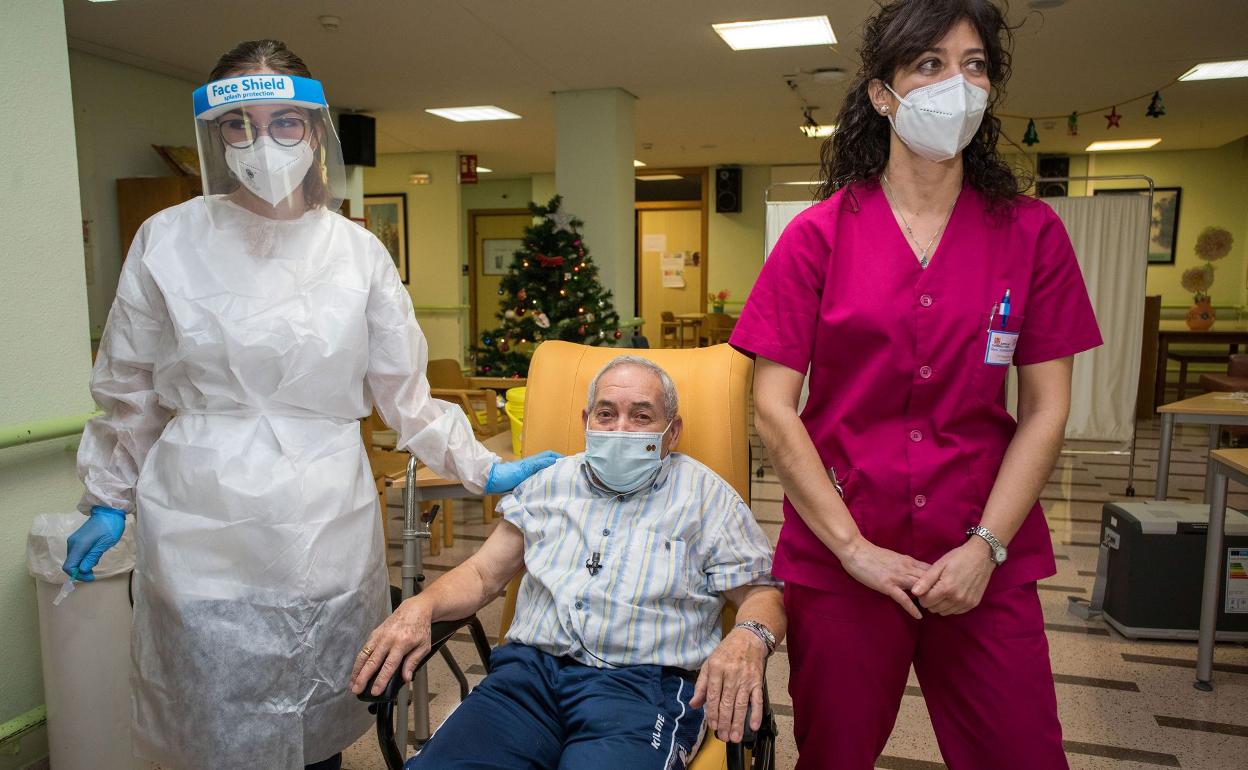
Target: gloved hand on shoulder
506,476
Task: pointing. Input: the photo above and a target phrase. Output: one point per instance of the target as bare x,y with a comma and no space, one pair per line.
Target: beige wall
119,113
434,243
43,311
735,241
1215,193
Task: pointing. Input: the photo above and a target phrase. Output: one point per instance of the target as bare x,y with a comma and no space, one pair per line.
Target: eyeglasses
241,132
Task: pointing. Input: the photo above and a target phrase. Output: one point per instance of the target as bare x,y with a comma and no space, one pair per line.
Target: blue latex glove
506,476
101,531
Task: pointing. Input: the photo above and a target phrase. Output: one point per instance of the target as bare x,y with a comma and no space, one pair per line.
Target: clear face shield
267,145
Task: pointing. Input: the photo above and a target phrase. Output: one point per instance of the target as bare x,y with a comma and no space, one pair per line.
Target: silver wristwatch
997,551
761,631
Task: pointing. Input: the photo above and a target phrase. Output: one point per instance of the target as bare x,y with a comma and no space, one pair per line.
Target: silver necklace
924,258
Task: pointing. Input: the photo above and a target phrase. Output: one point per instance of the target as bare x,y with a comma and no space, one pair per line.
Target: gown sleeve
437,432
115,444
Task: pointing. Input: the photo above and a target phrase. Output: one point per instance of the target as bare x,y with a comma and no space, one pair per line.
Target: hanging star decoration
563,221
1031,136
1112,117
1072,124
1155,108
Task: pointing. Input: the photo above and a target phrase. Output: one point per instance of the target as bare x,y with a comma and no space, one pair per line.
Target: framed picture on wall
385,216
1165,221
496,254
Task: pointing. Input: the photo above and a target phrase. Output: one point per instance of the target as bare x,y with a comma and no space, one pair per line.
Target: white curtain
1110,236
779,214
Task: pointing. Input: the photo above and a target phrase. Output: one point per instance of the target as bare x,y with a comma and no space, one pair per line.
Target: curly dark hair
894,37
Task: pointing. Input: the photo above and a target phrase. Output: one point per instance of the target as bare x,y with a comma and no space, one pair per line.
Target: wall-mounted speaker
358,135
728,190
1049,166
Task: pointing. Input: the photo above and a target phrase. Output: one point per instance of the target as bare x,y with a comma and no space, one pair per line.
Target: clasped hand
953,585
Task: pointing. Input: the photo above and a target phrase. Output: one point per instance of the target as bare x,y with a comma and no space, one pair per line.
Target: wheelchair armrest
439,634
761,742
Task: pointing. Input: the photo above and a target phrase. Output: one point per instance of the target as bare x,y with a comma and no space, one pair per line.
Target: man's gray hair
670,403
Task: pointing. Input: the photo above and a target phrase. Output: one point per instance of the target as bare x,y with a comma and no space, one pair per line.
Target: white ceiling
699,102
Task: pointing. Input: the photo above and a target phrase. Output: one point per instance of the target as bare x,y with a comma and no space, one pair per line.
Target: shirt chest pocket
653,567
992,354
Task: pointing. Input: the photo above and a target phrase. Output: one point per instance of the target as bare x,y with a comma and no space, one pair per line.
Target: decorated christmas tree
550,292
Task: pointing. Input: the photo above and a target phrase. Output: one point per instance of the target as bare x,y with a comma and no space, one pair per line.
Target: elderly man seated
615,657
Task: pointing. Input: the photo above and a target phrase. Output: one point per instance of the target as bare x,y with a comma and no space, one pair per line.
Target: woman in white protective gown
253,327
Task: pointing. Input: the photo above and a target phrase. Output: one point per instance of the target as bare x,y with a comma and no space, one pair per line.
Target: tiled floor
1123,704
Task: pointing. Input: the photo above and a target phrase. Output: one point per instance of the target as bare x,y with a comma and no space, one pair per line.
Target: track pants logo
656,737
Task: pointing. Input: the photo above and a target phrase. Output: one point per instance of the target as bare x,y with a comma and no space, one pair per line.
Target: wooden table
689,321
1230,333
1224,465
1212,409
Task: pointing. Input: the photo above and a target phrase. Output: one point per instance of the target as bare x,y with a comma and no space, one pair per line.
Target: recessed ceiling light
817,131
484,170
638,164
660,178
1122,144
1217,70
776,33
468,114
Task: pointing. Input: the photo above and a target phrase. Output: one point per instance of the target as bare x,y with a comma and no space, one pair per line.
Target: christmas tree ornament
581,331
521,294
1072,124
510,315
542,320
503,347
1031,137
589,317
567,276
618,334
1155,108
1112,117
500,291
546,261
602,335
520,312
562,221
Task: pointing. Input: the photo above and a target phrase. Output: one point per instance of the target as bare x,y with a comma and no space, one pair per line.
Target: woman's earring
883,109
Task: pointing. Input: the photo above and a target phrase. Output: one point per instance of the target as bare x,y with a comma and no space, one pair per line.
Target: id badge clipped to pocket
1000,350
1001,343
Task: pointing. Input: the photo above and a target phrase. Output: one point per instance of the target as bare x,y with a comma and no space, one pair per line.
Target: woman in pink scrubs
912,532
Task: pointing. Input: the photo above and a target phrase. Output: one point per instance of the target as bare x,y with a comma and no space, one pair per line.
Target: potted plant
717,299
1212,244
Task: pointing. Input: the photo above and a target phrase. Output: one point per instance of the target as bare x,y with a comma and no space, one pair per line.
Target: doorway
671,226
494,235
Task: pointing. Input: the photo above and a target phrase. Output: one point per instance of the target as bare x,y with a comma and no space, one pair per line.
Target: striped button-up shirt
665,554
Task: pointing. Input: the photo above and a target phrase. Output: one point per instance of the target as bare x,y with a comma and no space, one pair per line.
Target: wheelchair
720,377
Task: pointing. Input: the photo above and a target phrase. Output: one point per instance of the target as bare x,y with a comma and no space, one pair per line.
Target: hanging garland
1155,110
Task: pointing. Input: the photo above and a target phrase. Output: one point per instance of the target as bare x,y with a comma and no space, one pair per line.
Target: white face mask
939,121
268,169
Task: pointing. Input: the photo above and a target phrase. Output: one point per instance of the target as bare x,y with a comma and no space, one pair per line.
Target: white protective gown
236,362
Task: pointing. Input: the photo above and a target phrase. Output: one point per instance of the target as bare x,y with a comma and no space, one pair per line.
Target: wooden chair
669,330
448,383
718,327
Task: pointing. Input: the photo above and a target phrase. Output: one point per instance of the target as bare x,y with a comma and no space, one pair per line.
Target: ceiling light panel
1122,144
638,164
1217,70
776,33
817,131
471,114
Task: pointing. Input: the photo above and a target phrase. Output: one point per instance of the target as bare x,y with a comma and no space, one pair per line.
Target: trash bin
85,643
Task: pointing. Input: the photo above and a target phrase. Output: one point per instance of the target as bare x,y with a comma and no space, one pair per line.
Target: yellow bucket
515,412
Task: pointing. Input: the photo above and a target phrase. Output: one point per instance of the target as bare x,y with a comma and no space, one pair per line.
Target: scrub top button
926,300
916,436
925,372
920,501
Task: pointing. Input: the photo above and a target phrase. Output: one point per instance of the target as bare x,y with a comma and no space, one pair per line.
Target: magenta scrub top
902,402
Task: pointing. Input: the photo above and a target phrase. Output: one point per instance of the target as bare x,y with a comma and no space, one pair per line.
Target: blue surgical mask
624,461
